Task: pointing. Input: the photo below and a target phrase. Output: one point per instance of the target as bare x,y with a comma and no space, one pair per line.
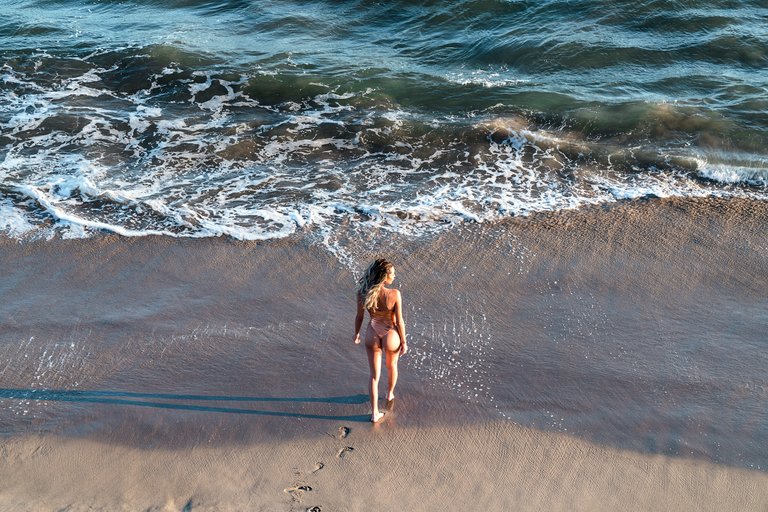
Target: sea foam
82,157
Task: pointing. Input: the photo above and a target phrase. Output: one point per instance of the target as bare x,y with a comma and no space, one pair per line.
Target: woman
386,330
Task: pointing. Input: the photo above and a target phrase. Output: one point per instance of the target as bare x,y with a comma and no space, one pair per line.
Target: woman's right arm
359,318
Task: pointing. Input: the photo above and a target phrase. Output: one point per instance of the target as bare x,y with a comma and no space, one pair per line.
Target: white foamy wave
12,220
214,162
486,78
59,214
755,174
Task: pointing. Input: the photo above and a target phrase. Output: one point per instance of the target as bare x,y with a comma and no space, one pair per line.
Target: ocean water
257,120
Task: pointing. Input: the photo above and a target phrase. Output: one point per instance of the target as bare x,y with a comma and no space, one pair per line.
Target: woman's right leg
373,348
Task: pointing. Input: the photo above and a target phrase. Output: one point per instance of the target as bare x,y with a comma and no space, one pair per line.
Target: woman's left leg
391,345
374,364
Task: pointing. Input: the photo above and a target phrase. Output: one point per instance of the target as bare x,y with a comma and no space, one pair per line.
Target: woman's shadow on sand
172,401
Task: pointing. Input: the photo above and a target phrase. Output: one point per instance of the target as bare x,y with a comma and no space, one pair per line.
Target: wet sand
589,360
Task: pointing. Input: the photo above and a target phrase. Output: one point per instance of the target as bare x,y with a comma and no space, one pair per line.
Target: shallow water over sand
637,326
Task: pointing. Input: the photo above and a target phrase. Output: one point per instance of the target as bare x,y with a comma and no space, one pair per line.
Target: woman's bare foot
375,417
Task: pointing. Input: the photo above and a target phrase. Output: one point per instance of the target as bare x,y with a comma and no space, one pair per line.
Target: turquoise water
256,120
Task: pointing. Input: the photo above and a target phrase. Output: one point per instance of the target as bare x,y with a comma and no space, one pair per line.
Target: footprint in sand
344,432
298,489
344,451
318,467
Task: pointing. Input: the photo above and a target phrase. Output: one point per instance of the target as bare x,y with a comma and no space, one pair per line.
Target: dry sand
490,466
